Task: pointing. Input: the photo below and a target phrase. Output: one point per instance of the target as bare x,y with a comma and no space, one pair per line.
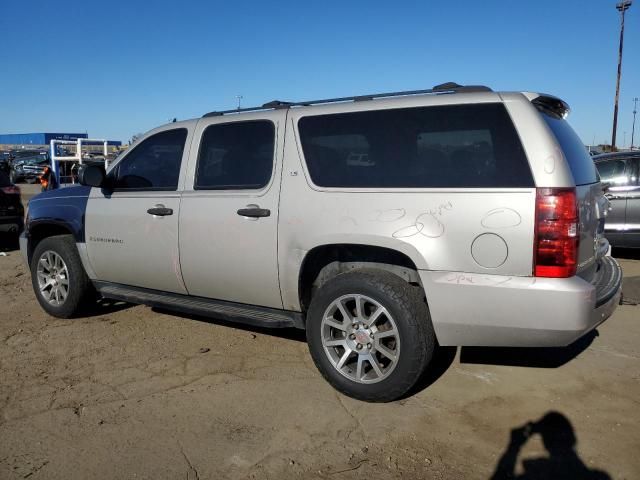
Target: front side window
470,146
236,156
152,165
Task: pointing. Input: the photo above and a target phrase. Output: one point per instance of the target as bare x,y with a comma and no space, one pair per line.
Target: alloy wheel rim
360,338
53,278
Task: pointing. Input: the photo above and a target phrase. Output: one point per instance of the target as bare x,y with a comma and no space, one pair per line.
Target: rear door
229,213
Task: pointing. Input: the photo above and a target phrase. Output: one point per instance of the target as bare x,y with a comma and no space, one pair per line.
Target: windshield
29,153
580,162
32,160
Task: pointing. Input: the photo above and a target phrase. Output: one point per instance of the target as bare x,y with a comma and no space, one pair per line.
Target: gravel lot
132,392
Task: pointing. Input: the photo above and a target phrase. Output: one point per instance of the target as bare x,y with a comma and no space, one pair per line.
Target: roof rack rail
449,87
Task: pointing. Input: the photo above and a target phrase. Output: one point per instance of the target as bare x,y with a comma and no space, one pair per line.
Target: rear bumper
493,310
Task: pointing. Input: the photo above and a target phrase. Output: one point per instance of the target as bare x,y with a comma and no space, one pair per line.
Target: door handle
254,212
160,211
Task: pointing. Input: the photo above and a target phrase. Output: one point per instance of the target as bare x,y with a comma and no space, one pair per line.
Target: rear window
445,146
580,162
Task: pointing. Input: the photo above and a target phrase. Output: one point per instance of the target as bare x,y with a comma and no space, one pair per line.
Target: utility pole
239,97
633,128
621,7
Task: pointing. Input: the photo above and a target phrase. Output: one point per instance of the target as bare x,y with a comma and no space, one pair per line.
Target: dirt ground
132,392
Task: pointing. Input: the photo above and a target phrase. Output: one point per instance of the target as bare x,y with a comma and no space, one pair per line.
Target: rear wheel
58,277
370,334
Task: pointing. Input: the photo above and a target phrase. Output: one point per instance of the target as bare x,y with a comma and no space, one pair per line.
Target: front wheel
58,277
370,334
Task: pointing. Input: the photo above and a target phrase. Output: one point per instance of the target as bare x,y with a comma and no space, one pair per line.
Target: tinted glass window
634,170
236,156
154,164
449,146
580,162
613,171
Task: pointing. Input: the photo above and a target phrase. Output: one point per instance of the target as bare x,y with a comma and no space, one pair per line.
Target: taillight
556,236
11,190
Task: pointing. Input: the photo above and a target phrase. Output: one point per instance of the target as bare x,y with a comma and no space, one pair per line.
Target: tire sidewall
411,331
65,248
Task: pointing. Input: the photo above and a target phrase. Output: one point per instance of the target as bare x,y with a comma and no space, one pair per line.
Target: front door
229,211
132,229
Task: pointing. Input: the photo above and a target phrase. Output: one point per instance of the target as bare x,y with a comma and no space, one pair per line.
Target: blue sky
121,67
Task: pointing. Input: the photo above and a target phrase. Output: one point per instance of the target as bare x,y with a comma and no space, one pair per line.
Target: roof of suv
449,87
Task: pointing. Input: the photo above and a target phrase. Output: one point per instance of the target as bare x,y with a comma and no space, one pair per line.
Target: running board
230,311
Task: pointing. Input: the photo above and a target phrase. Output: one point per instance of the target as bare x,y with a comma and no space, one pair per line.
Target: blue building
43,138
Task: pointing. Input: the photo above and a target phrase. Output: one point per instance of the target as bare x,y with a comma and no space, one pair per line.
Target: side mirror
92,175
605,186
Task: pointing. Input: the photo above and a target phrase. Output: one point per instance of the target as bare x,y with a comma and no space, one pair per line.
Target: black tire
80,287
410,313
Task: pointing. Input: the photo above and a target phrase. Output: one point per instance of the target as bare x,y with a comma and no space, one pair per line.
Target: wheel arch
324,262
41,230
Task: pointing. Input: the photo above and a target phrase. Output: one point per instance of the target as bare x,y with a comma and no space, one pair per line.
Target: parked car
11,210
5,162
621,171
28,167
477,218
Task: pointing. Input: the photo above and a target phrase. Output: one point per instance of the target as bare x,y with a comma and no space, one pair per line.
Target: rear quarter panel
488,231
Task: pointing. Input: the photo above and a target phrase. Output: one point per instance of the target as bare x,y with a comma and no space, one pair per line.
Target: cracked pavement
126,393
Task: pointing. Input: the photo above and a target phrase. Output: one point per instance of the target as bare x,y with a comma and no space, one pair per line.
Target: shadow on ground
548,357
559,439
443,358
104,306
8,242
287,333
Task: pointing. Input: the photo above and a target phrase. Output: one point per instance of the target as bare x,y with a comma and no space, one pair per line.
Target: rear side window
236,156
580,162
613,172
154,164
445,146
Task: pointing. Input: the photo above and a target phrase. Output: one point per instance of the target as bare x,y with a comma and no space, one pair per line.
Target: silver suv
383,225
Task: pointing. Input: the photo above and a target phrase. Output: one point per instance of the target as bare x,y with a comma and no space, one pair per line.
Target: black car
11,209
28,167
621,171
5,162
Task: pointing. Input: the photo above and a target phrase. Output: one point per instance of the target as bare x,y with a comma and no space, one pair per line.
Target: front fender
62,208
